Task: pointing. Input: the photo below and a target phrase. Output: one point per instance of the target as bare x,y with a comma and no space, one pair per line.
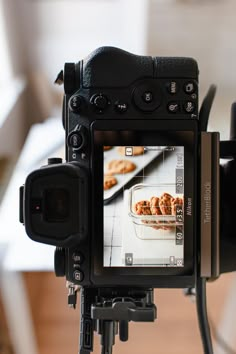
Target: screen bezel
148,129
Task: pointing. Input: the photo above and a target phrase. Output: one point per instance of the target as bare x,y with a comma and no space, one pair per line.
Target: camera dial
100,102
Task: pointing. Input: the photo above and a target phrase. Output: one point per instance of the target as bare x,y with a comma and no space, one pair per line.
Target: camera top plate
111,82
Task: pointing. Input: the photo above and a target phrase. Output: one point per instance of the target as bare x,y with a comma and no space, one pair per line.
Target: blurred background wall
40,35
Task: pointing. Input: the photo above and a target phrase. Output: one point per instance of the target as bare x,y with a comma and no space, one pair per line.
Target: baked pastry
136,150
142,207
120,166
165,203
174,203
109,182
155,210
154,206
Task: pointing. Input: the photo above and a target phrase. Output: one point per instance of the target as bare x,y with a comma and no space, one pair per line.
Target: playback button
173,107
78,275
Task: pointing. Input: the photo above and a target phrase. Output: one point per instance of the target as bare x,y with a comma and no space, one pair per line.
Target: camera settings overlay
143,206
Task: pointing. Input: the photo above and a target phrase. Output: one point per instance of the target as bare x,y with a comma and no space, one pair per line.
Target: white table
21,254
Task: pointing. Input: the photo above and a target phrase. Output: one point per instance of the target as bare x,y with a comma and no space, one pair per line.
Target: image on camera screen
143,206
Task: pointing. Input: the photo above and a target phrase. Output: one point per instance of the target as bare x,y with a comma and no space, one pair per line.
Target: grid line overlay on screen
124,230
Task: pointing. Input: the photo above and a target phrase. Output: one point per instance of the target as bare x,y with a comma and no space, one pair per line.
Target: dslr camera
136,204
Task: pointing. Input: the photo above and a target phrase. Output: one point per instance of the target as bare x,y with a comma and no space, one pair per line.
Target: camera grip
123,68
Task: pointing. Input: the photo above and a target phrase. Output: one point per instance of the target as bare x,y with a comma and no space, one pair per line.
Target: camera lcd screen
143,211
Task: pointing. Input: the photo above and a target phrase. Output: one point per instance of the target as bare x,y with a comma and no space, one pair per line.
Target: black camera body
136,204
115,100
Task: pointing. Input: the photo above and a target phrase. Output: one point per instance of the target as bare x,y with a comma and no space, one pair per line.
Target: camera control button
189,107
100,102
147,97
78,257
189,87
75,140
121,107
75,103
173,107
172,87
78,275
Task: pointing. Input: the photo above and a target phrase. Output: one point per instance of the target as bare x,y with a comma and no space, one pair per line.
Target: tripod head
109,311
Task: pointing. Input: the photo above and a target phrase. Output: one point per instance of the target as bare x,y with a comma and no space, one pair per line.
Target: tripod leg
108,336
124,330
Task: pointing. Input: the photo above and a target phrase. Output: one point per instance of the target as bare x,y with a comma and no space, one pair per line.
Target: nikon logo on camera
189,207
207,202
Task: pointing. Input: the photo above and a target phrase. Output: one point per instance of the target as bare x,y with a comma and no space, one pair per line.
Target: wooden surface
174,332
5,343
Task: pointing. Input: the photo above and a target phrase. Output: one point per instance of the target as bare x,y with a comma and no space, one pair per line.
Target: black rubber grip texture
113,67
175,67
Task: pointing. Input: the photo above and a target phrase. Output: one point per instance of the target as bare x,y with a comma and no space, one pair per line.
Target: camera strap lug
72,294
